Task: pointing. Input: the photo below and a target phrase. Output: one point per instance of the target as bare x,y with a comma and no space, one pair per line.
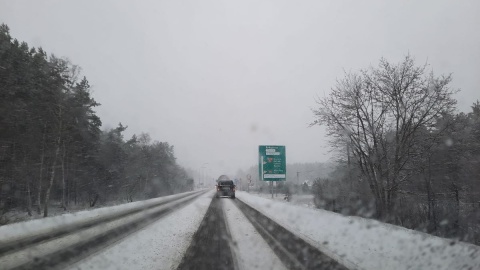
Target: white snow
357,242
13,231
367,244
160,245
20,257
251,251
298,199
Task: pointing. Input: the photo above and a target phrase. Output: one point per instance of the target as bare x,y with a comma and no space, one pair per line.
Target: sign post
249,177
272,164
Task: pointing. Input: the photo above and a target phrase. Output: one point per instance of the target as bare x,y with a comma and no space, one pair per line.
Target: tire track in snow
76,249
210,247
249,248
291,249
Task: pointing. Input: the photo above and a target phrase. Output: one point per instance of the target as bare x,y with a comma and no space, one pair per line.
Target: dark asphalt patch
210,246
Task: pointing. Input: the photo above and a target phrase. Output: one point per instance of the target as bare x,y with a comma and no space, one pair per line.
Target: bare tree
378,113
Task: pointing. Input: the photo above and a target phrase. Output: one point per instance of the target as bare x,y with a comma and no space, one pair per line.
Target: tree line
52,148
406,155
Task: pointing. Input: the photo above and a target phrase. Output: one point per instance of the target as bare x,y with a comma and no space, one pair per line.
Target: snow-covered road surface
15,231
45,248
160,245
247,233
250,249
59,247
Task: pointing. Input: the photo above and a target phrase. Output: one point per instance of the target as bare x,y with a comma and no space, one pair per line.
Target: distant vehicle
223,177
225,188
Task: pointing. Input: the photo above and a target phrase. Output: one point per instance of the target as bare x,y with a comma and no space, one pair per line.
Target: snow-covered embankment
361,243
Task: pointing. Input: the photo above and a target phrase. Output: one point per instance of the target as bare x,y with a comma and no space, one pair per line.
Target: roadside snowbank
44,225
367,244
298,199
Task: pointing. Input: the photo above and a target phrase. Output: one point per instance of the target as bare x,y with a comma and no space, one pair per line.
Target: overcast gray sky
217,78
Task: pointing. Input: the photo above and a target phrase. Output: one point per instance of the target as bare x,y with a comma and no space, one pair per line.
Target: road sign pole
271,188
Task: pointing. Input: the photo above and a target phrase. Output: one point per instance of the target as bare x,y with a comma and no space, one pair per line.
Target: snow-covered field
160,245
367,244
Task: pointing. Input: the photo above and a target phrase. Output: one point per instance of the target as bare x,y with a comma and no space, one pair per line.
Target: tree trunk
52,177
68,184
431,206
26,176
42,159
391,204
54,164
29,199
63,177
75,187
29,194
94,201
456,223
380,210
349,168
431,200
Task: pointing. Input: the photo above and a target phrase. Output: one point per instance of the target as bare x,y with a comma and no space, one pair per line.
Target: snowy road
60,242
161,245
250,250
198,231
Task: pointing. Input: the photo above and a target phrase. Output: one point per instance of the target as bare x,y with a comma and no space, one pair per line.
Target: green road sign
272,164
